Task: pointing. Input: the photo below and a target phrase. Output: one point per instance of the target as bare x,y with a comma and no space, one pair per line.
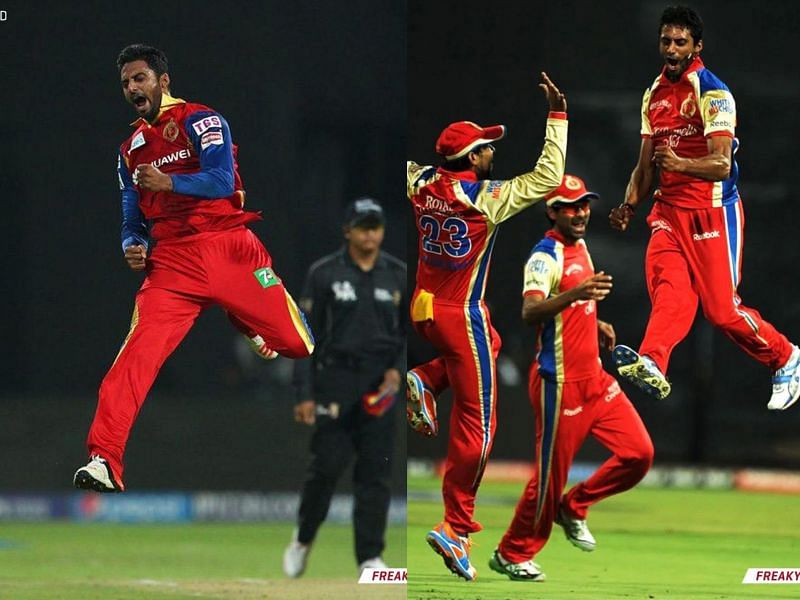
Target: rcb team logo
688,107
170,131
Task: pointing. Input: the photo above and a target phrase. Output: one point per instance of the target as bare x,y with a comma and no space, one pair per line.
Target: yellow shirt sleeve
647,129
413,177
542,274
719,112
500,200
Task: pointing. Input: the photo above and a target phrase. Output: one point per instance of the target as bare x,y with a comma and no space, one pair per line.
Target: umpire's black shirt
357,317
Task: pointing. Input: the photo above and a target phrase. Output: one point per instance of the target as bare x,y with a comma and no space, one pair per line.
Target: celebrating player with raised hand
697,220
457,210
571,394
183,223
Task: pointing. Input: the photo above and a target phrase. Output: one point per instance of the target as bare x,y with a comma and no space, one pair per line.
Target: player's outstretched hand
151,179
620,217
596,287
136,257
556,100
305,412
606,335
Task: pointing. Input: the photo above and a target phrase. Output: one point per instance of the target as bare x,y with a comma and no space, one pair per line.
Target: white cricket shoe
786,383
524,571
295,557
96,476
372,563
576,530
259,346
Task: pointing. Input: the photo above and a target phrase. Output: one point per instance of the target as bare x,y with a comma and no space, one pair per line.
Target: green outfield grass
651,544
120,562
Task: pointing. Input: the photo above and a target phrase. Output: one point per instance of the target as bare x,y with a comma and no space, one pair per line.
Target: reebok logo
699,237
571,412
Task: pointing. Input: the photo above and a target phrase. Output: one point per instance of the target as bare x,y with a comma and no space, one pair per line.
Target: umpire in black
355,300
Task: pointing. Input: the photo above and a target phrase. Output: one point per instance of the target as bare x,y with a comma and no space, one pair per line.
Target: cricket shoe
453,548
259,346
96,476
524,571
576,531
295,557
786,383
372,563
641,371
420,406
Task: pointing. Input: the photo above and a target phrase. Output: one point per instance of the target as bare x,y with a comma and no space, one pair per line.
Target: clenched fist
150,179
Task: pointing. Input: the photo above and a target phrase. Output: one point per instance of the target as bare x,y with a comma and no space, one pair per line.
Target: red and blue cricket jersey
683,115
204,256
191,143
567,344
457,216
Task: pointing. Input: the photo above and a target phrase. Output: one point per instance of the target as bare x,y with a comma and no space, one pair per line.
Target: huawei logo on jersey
172,157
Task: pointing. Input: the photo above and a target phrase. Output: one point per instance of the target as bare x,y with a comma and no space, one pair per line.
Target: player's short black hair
683,16
155,58
458,165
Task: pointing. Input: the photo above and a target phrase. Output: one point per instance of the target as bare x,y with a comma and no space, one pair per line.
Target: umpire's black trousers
333,444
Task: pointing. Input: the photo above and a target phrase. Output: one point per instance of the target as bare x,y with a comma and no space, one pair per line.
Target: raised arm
500,200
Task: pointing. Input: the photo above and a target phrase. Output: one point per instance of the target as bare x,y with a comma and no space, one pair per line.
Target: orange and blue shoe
420,406
453,548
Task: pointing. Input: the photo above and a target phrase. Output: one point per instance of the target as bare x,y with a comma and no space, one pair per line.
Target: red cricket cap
571,190
459,138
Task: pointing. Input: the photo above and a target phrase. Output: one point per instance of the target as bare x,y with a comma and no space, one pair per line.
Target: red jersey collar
552,233
463,175
695,65
167,103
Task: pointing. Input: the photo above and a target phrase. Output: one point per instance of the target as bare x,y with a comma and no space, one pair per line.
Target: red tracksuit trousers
468,345
184,276
696,255
565,414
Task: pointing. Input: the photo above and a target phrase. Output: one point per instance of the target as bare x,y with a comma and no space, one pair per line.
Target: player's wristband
555,114
629,206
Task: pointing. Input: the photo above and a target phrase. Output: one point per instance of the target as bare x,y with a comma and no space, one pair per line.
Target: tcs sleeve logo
206,124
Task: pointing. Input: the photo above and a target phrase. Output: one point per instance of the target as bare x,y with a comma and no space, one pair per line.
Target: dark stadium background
315,95
480,61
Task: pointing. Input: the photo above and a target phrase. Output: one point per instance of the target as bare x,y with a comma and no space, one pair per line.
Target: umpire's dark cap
364,212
